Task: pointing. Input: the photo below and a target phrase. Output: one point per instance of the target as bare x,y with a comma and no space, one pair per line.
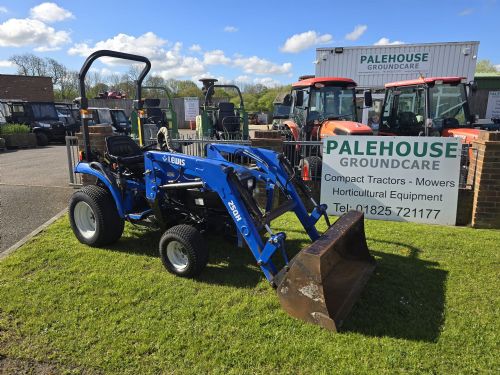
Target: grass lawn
432,306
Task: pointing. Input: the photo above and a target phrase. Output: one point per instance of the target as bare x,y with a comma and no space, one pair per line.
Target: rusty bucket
324,280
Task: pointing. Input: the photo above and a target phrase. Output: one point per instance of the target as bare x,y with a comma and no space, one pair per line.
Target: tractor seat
407,119
227,119
122,150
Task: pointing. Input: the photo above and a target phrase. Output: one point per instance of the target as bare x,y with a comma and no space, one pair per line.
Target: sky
268,42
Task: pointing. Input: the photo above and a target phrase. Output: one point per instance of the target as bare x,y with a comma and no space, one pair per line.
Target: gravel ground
33,188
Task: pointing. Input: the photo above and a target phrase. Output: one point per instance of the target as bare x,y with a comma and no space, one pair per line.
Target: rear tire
41,139
94,218
310,168
183,251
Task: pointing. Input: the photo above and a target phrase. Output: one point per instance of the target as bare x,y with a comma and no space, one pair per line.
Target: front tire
183,251
94,218
41,139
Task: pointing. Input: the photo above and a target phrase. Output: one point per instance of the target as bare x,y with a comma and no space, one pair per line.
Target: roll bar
211,90
84,104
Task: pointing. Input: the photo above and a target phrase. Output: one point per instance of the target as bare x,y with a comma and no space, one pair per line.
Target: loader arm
166,171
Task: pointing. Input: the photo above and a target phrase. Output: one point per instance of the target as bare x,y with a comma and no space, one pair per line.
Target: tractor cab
434,106
321,107
221,119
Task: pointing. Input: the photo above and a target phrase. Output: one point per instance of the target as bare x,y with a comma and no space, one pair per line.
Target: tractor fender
294,129
87,168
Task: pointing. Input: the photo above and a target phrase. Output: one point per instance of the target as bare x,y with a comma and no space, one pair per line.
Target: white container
374,66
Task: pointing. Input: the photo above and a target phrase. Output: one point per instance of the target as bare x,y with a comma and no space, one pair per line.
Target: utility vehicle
41,117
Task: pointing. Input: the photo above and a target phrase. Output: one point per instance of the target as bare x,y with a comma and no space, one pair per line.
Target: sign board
383,63
392,178
493,107
191,108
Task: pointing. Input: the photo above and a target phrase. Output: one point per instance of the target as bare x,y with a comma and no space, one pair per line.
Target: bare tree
133,72
30,65
56,70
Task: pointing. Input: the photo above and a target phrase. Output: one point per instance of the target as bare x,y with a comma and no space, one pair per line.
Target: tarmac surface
33,188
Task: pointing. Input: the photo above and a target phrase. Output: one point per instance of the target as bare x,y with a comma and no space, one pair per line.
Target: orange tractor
317,108
434,106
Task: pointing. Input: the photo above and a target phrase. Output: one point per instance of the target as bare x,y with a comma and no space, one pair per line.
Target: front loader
187,197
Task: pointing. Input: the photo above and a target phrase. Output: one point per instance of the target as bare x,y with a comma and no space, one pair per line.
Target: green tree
188,89
485,66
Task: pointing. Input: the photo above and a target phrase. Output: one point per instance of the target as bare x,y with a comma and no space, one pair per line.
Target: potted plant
17,135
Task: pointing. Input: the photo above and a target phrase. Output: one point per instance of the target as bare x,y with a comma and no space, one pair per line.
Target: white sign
191,109
404,62
493,107
392,178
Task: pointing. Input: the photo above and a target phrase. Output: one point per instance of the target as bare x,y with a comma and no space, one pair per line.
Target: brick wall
35,89
486,178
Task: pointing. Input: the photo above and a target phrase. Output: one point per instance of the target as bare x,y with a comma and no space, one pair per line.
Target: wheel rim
84,219
176,254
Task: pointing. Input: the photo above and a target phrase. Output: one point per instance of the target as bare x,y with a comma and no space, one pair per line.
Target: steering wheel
149,147
153,120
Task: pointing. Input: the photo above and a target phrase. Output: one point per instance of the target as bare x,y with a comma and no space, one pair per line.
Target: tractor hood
340,127
467,135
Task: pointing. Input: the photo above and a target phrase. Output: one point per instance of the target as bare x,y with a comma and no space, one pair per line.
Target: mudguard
86,168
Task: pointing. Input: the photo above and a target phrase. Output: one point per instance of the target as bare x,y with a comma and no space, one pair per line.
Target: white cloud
386,42
215,57
105,71
27,32
195,48
173,62
230,29
357,32
267,81
6,64
4,10
148,44
300,42
466,12
50,12
243,79
259,66
168,63
497,67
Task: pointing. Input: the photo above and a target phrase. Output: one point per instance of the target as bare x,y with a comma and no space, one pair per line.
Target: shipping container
374,66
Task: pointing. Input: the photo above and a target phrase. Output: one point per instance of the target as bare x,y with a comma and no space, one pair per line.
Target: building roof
326,80
422,80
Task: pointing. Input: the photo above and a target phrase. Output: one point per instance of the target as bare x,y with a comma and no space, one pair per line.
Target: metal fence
305,156
75,179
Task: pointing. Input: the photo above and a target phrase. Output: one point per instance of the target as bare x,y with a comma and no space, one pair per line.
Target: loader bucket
324,280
